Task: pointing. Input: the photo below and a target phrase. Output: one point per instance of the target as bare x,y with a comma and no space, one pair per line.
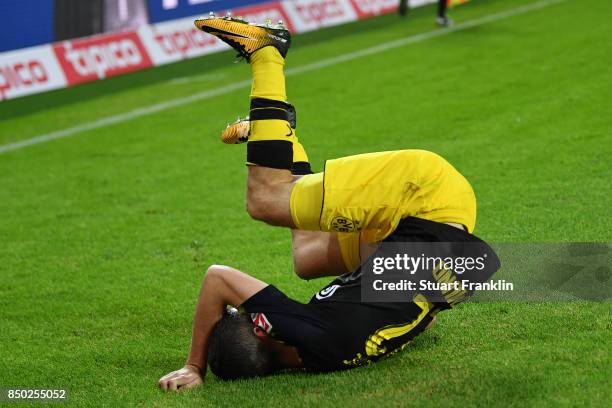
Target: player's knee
311,255
214,272
303,264
302,272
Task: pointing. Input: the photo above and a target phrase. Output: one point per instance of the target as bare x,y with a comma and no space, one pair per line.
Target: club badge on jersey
260,320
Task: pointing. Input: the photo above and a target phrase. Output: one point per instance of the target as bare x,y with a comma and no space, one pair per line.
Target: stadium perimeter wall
65,64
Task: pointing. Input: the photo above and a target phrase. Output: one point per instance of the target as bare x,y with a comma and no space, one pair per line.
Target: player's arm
221,286
316,254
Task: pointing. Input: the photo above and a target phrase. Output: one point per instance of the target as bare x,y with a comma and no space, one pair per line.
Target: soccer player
362,199
334,331
400,196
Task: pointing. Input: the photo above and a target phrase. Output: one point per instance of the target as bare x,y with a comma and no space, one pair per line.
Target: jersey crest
260,320
343,224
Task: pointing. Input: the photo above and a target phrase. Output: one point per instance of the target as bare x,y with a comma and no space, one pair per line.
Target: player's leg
238,132
316,254
270,145
442,19
271,141
442,8
268,195
369,192
403,8
366,192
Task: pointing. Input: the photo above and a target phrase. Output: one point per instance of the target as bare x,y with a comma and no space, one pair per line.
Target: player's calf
269,195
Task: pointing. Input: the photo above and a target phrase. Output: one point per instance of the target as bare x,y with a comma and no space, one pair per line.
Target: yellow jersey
364,197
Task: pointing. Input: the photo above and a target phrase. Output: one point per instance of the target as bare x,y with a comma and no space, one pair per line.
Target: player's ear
259,332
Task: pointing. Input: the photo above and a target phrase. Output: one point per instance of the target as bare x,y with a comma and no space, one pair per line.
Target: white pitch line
136,113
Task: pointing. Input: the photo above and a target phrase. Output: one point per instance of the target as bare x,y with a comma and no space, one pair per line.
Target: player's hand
183,379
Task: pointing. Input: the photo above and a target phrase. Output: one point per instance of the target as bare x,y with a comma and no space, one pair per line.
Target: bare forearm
221,286
208,312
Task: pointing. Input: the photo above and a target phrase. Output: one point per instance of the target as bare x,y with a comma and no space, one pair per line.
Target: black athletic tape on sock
268,103
277,154
268,113
292,117
301,168
259,103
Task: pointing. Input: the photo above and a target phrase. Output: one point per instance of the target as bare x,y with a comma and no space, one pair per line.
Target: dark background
79,18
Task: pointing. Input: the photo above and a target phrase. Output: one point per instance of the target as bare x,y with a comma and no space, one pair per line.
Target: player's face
286,356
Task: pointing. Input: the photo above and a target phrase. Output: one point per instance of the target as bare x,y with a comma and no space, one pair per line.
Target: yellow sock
271,138
299,153
268,97
300,165
268,67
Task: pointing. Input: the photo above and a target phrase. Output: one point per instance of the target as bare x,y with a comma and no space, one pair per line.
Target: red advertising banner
101,57
29,71
260,13
174,41
179,39
369,8
308,15
39,69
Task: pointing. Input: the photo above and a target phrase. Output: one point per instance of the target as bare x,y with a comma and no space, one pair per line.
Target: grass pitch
106,234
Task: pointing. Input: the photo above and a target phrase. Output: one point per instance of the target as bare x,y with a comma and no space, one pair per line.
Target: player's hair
235,352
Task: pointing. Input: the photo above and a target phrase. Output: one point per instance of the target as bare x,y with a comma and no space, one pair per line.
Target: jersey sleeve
291,322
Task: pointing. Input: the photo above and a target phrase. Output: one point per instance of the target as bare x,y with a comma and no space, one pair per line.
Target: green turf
105,235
